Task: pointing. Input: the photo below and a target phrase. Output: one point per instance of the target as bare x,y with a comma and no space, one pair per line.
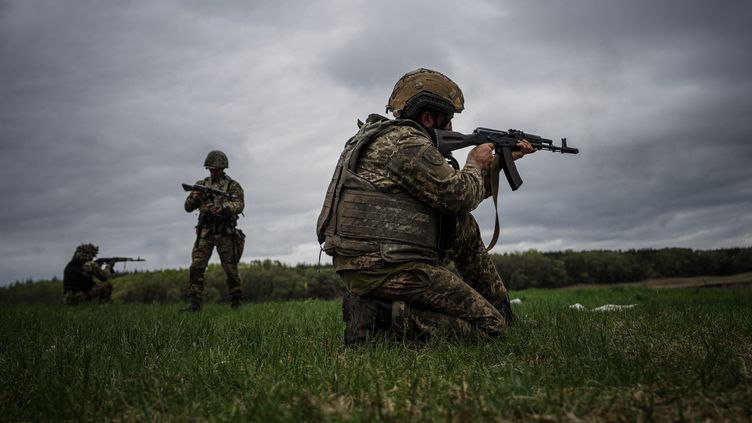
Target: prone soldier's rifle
504,143
112,260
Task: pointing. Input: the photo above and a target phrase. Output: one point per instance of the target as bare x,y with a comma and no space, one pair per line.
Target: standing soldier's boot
195,290
193,306
236,302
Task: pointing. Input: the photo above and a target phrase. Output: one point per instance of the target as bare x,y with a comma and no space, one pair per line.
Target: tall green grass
678,355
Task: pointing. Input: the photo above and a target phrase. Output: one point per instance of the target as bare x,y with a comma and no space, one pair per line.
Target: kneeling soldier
78,278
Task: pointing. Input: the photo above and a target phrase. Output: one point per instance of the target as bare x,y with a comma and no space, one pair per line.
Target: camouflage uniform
401,160
217,231
78,278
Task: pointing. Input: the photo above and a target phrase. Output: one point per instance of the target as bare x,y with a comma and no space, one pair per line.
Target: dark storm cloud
107,108
663,91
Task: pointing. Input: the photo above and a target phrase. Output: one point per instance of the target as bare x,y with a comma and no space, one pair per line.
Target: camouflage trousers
101,292
200,256
432,300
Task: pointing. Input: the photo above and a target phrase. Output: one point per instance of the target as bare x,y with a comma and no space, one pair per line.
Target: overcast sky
106,107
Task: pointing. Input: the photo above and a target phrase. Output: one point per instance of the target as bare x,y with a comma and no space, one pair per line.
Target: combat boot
236,298
236,303
193,307
364,318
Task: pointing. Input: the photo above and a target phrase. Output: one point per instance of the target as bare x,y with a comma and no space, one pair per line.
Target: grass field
681,354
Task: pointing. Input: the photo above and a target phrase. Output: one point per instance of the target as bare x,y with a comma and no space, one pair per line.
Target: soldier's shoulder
407,132
230,180
386,134
232,184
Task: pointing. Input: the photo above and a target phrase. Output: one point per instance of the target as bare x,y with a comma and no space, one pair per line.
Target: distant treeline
273,281
533,269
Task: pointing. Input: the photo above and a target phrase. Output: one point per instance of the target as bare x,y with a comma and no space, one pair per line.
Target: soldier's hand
523,147
481,156
215,209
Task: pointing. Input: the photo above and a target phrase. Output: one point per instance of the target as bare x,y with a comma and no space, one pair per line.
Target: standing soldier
78,277
217,226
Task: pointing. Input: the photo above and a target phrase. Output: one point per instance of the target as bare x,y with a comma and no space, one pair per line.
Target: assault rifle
212,192
504,142
114,260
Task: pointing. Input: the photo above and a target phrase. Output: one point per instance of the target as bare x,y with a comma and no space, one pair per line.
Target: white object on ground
614,307
577,306
606,307
515,301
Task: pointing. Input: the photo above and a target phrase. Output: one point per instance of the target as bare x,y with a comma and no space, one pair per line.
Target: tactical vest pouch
374,126
349,247
379,216
398,252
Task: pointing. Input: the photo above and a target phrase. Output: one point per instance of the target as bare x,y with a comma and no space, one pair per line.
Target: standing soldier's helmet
86,252
424,88
216,159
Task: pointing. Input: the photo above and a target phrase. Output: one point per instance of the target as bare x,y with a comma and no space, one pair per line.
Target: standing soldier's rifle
214,195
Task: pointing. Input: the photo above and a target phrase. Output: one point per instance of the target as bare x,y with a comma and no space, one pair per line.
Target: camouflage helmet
216,159
425,87
86,251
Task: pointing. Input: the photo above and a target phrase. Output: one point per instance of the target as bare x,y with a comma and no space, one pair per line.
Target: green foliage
530,269
273,281
605,267
262,281
30,292
680,355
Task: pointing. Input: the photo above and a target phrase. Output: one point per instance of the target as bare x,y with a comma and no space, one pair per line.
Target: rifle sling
494,174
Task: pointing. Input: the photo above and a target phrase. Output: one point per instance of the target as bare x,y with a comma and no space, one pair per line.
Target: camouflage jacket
403,160
225,221
78,275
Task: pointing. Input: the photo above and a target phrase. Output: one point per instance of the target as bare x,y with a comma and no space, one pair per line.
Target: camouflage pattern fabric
94,269
474,264
79,274
418,324
232,208
437,301
101,292
220,232
428,298
202,251
404,161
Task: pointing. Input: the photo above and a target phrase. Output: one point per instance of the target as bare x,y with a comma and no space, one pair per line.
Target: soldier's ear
426,119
